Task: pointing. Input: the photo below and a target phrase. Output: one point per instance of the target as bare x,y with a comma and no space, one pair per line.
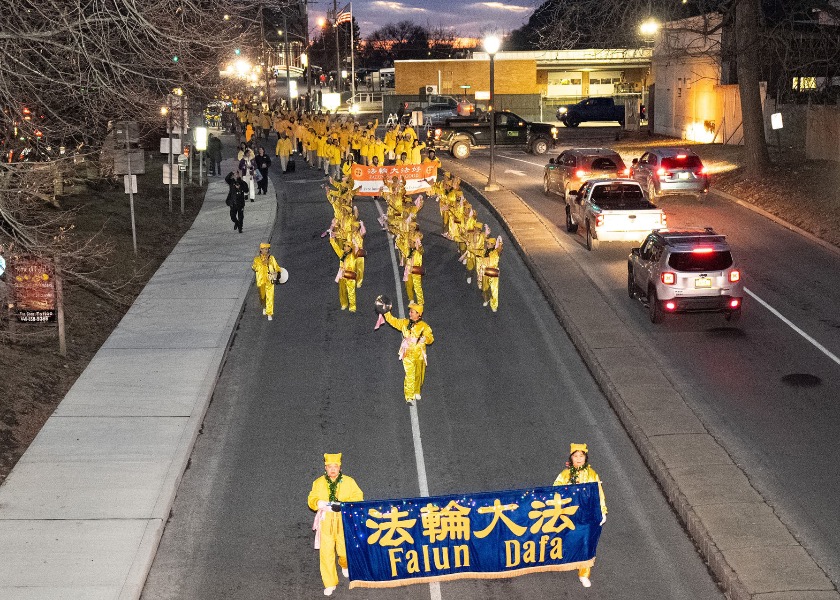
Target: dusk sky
465,17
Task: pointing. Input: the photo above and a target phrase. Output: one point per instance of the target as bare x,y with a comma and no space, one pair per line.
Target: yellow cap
417,307
332,459
575,447
265,245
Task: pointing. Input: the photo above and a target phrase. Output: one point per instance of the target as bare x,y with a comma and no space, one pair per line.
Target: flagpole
352,58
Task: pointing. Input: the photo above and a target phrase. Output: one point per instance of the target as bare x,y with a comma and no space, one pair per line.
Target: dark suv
671,171
576,166
685,271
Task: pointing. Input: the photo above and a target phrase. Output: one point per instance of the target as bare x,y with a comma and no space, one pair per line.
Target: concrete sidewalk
83,510
749,550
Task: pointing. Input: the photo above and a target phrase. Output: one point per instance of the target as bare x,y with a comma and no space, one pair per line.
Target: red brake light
735,303
660,171
734,275
626,172
580,173
682,155
599,220
703,250
702,171
668,278
670,305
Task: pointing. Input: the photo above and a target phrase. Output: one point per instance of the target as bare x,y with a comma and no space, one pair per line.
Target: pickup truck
591,109
460,136
612,210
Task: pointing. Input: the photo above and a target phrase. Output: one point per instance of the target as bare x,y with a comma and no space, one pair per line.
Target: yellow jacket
346,491
588,475
415,158
346,261
284,147
262,268
416,336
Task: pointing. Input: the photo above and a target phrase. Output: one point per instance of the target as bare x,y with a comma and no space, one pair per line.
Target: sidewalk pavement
82,513
749,550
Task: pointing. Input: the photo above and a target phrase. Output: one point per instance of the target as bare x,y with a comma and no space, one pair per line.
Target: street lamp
649,29
492,43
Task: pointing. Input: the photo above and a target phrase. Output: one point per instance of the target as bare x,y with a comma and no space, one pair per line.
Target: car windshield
694,262
686,162
604,164
619,195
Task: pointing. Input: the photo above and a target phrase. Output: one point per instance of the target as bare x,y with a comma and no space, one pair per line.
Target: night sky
466,17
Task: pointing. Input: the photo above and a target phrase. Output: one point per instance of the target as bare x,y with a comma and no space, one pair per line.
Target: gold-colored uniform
416,336
587,475
264,269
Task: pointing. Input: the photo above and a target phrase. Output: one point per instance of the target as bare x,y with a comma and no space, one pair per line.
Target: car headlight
562,110
553,131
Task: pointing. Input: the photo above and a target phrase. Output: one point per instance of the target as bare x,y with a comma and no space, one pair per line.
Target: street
505,394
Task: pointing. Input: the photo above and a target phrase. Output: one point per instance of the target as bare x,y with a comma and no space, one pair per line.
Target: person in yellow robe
488,273
414,270
266,269
283,149
579,471
416,335
346,277
328,492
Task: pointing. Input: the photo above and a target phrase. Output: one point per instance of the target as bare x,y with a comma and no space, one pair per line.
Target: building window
804,83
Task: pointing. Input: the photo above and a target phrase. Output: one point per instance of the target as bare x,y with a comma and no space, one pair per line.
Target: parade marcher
346,277
249,132
328,492
283,150
214,154
266,270
488,273
236,198
263,162
578,470
416,335
414,270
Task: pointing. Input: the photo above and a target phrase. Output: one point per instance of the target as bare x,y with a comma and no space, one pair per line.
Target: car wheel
540,146
570,226
588,237
460,150
571,123
654,307
631,283
733,316
651,191
546,186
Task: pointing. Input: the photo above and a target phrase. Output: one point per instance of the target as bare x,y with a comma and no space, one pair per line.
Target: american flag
345,15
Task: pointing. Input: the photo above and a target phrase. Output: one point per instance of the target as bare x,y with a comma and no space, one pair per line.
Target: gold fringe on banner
472,575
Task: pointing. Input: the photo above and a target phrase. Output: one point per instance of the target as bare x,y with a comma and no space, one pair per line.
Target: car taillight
734,275
626,172
437,133
702,171
668,278
703,250
734,303
670,305
580,173
599,220
660,171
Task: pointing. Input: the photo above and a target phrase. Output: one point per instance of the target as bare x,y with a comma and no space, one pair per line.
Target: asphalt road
766,387
505,394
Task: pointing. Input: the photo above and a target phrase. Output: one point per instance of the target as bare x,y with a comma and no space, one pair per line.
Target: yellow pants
360,271
415,373
490,288
470,261
332,545
584,572
267,297
444,215
347,293
414,288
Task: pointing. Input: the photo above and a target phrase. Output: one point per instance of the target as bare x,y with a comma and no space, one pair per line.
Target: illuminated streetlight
322,22
649,29
492,43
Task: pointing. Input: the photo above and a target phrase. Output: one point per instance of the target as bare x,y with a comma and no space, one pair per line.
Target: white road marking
787,322
519,173
527,162
423,482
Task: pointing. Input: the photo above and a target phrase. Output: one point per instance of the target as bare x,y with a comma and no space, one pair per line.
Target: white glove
603,520
323,504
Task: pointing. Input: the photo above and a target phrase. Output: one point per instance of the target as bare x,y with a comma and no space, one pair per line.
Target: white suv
685,271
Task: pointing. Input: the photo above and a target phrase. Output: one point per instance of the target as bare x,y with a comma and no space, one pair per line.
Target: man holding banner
328,492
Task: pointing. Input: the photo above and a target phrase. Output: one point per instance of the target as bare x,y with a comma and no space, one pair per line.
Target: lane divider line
790,324
422,480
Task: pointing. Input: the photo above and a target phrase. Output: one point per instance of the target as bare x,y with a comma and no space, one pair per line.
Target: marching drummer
489,272
346,277
266,270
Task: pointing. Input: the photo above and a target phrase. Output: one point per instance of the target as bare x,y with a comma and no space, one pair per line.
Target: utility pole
308,54
262,54
286,60
337,52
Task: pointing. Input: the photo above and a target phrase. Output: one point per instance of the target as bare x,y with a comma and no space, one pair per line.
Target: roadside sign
130,187
33,289
173,178
200,135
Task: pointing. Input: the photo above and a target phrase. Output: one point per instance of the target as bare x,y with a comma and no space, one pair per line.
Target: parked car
459,136
685,271
611,210
671,171
577,165
441,108
591,109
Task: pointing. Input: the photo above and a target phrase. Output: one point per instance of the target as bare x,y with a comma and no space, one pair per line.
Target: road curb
726,576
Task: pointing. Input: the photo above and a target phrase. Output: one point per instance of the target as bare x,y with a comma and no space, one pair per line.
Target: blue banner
484,535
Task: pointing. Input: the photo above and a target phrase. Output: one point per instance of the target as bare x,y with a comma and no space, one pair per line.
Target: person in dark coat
214,154
236,198
263,162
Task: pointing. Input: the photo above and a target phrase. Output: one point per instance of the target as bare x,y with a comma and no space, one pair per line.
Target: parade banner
33,289
367,181
485,535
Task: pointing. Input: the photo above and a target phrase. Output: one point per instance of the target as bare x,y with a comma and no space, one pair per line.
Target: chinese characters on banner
367,181
33,288
485,535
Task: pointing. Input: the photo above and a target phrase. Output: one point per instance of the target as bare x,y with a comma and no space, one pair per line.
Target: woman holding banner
579,471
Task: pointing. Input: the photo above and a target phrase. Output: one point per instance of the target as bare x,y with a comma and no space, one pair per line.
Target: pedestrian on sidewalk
416,335
266,271
236,198
214,154
263,162
578,470
328,492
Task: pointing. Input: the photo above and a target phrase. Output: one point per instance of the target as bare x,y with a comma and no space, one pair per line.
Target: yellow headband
575,447
332,459
265,245
417,307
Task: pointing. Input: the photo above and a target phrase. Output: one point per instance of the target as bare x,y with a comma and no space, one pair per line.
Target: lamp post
491,45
